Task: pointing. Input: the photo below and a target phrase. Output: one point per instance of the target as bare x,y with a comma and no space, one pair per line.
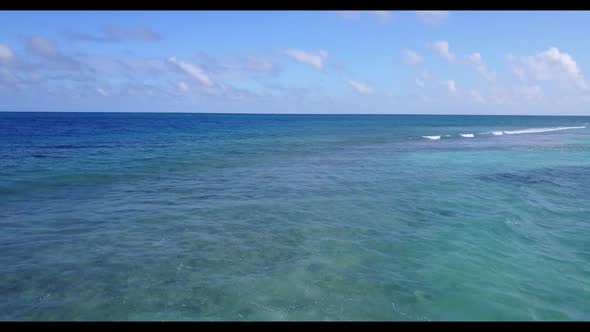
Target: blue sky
458,62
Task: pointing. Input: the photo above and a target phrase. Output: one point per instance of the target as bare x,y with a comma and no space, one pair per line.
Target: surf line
538,130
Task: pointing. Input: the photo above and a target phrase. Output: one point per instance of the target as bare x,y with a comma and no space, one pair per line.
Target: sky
329,62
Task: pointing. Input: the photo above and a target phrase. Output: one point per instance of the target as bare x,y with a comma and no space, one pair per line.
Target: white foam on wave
432,137
467,135
497,133
538,130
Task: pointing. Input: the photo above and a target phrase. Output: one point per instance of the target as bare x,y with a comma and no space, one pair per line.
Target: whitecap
467,135
538,130
432,137
497,133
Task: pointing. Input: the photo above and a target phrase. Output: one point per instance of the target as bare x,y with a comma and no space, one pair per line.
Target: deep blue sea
107,216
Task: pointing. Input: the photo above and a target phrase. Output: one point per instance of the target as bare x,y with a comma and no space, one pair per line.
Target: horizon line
248,113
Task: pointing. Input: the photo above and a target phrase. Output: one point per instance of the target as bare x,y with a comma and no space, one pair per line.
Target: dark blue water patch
68,182
570,176
516,179
69,146
444,212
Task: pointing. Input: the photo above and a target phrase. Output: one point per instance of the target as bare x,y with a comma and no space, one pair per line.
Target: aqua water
108,216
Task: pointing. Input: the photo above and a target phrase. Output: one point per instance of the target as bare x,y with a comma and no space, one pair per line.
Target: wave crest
538,130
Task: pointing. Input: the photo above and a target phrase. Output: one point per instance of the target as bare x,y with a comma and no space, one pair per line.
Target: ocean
129,216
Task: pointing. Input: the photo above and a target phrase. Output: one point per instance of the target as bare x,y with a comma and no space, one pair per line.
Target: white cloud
442,48
102,92
315,60
421,82
6,54
193,71
512,94
44,47
113,33
383,16
476,61
530,93
182,86
474,58
520,73
552,64
477,96
6,76
432,16
412,58
259,65
51,54
361,87
450,84
349,14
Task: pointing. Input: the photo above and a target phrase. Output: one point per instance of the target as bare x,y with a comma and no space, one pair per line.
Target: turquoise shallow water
292,217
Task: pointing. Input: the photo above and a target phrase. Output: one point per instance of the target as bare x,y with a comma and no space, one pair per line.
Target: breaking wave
538,130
